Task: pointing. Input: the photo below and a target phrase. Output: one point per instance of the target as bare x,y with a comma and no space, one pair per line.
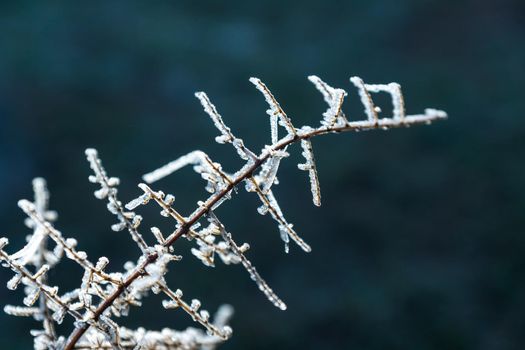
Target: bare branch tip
91,152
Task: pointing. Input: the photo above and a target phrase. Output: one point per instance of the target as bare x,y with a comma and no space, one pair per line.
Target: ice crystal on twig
312,171
276,113
102,297
269,204
108,189
263,286
226,134
334,98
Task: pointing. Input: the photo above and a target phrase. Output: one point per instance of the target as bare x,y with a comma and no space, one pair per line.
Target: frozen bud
92,179
102,263
170,304
244,248
29,222
129,265
222,139
250,186
26,205
101,193
113,181
209,239
222,245
158,235
51,215
137,219
43,270
205,315
3,242
31,297
227,331
71,243
175,257
21,311
195,305
284,231
58,251
13,283
52,291
141,200
112,208
82,255
91,152
263,209
169,199
178,293
59,315
118,226
88,299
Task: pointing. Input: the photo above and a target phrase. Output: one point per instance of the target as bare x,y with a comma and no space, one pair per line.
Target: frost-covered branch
102,296
108,189
309,166
239,252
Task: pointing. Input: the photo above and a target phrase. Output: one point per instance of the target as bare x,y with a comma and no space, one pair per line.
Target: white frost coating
366,99
394,89
155,272
210,171
432,114
261,283
268,174
21,311
209,108
141,339
326,90
98,287
3,242
270,205
29,251
108,189
208,247
312,171
35,288
135,203
275,111
68,245
334,115
223,315
42,200
192,309
226,134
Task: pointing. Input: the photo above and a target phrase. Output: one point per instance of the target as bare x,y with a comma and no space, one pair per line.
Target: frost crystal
312,171
334,98
261,283
275,111
103,296
366,99
108,188
394,89
270,205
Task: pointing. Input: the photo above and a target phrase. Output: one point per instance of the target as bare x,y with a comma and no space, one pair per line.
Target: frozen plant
103,296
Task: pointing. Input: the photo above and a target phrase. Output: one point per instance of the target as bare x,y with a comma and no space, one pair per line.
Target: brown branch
302,134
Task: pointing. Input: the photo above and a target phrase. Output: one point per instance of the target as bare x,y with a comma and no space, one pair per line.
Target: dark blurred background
420,241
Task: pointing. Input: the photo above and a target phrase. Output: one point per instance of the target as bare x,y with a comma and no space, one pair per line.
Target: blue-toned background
420,242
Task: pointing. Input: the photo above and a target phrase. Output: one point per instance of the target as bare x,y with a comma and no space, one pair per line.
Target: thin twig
200,212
